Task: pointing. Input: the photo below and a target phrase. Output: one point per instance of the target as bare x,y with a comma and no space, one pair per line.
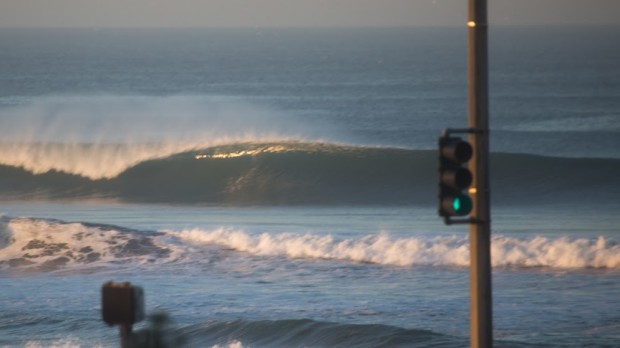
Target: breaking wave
47,245
99,136
240,173
291,172
559,252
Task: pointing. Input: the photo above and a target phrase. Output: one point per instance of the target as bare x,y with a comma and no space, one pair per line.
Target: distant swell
292,333
315,173
310,333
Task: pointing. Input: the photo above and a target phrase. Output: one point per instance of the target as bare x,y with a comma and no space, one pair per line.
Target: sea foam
381,248
47,245
44,245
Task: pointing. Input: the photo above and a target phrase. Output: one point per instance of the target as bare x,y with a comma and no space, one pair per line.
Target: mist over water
103,119
101,136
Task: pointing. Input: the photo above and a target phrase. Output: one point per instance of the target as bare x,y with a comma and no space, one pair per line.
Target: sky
295,13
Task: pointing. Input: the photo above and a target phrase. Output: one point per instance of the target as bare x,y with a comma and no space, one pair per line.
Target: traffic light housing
454,177
122,303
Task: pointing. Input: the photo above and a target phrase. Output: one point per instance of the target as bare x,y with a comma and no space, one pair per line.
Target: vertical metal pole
481,322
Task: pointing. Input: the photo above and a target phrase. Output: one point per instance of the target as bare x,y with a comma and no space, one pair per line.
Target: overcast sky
252,13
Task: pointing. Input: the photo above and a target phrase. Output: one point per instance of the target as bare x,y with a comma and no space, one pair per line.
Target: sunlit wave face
241,153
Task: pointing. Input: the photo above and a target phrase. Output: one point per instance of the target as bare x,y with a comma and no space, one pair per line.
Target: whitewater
277,187
38,244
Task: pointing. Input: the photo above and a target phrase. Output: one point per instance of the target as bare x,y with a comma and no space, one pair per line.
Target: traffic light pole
481,319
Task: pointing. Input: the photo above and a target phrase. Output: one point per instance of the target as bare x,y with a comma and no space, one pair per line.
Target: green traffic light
462,205
454,177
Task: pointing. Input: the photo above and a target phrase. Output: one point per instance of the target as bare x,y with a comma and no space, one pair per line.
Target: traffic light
454,177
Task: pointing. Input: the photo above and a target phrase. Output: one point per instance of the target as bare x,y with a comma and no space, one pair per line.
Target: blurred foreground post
481,316
122,304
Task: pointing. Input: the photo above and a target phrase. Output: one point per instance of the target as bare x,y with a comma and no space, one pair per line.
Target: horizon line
258,27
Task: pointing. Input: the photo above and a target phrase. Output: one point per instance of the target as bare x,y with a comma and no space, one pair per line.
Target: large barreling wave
292,172
200,150
100,137
239,173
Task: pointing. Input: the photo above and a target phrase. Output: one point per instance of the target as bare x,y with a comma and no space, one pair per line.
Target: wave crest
561,252
243,173
44,245
285,172
379,249
100,136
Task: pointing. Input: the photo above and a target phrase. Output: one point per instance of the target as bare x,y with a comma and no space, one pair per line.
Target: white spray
101,136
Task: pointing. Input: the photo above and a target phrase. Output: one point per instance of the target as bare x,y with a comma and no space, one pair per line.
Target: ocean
277,187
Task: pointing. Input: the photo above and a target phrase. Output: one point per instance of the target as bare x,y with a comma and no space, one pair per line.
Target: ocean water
277,187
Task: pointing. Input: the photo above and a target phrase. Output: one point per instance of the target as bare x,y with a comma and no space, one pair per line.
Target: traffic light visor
459,178
456,150
462,205
459,205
